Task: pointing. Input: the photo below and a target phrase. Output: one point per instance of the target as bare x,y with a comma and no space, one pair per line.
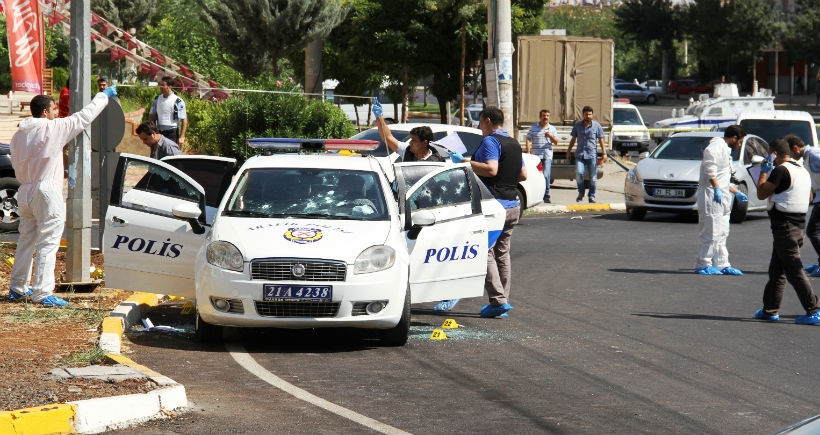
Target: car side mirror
420,219
191,214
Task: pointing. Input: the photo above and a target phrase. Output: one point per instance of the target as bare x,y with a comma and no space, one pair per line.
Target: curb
547,208
104,413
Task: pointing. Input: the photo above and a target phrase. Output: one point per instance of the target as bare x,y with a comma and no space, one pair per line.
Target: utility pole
501,49
78,204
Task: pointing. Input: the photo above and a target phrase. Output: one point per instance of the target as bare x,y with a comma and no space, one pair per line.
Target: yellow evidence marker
438,334
450,324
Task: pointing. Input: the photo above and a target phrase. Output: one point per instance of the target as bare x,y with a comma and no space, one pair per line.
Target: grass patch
420,107
86,357
34,314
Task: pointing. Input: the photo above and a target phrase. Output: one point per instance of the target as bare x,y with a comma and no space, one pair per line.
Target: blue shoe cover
14,296
812,268
760,314
731,271
504,315
808,319
815,273
446,305
53,301
708,271
493,310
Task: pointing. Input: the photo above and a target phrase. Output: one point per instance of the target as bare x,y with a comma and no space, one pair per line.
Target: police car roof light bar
281,144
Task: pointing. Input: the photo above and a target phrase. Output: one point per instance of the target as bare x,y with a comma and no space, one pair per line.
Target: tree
729,50
651,21
126,14
802,33
256,33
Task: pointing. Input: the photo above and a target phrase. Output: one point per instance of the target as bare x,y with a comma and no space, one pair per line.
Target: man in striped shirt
540,140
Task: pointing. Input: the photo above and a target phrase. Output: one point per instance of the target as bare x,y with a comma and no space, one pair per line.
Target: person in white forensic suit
37,157
714,200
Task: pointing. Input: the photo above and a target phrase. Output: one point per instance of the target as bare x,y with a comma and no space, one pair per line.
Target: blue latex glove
741,197
456,157
766,165
377,108
718,194
111,91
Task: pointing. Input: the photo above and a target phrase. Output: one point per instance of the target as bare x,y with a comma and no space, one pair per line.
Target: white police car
300,240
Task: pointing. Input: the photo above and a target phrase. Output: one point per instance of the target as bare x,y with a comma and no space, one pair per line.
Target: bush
223,128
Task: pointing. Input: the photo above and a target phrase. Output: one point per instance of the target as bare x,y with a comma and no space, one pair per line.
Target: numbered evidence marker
450,324
438,334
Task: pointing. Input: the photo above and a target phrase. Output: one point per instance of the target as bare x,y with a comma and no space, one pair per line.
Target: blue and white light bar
285,144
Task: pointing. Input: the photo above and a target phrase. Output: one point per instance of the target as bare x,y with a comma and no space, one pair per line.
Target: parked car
530,191
634,93
629,133
667,179
9,219
301,239
688,86
471,120
654,85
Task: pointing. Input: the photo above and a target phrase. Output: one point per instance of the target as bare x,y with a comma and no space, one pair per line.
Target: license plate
629,144
670,193
290,293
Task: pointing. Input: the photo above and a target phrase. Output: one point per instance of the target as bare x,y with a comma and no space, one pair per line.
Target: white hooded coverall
713,222
37,157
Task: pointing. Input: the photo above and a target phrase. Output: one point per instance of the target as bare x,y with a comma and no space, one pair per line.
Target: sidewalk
609,196
105,413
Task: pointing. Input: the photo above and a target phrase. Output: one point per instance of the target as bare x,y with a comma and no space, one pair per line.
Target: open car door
448,250
154,227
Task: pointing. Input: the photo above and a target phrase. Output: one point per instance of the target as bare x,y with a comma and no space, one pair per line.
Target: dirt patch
35,339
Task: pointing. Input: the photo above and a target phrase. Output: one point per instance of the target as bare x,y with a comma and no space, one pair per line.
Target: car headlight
374,259
633,177
225,255
645,135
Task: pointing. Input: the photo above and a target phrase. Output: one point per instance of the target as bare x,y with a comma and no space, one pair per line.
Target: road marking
239,355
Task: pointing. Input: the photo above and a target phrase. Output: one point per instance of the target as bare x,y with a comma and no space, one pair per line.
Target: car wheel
205,332
739,209
650,99
522,200
635,213
9,219
397,335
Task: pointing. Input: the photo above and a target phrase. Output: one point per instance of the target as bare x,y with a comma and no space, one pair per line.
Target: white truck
719,111
778,123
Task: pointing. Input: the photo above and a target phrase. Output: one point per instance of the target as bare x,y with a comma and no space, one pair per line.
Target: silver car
667,179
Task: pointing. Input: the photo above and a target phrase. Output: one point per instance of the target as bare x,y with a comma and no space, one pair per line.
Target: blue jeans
547,164
586,165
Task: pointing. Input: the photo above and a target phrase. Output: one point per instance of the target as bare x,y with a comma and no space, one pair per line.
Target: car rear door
148,246
449,258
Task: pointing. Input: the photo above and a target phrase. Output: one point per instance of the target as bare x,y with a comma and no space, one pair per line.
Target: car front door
154,227
448,259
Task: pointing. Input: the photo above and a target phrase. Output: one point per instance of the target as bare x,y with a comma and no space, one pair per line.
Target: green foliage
223,128
87,357
126,14
244,26
802,33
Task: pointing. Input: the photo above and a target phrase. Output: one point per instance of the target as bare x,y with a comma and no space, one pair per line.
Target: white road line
239,355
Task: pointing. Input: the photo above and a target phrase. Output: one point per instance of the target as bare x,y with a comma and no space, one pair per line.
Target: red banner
26,45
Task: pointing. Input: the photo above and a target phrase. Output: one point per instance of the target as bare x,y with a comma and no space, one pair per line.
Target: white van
778,123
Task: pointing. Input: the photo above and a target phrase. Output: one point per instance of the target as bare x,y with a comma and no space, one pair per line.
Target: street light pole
78,212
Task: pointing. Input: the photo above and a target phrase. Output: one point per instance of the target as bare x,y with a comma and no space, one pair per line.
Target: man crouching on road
37,157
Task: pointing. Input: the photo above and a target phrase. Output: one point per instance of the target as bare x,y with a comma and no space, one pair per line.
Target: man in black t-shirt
787,187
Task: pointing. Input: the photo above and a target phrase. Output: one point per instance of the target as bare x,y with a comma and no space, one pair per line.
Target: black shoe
579,198
592,200
547,201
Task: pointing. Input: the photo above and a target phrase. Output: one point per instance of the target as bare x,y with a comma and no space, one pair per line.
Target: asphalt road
611,333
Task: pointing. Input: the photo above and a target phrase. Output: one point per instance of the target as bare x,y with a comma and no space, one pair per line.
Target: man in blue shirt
499,164
589,135
540,140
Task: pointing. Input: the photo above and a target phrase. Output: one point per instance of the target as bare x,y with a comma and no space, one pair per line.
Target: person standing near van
540,139
168,112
